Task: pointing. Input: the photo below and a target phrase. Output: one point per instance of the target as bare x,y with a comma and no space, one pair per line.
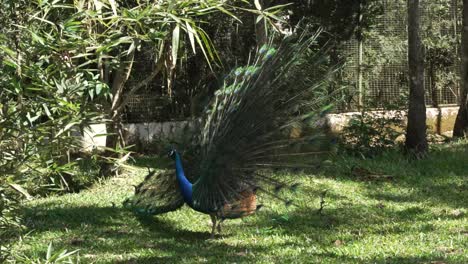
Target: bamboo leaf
98,88
91,94
113,6
200,44
46,109
21,190
10,63
31,119
98,5
66,128
175,43
176,19
257,5
80,5
37,38
191,33
82,55
8,51
277,7
208,45
222,9
277,18
43,20
259,18
131,48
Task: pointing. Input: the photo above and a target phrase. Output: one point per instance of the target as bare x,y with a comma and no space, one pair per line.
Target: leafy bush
45,100
9,221
369,133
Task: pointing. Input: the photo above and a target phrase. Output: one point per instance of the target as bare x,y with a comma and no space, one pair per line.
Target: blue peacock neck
184,184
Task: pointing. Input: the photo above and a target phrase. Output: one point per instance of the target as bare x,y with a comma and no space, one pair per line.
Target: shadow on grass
127,238
115,231
357,220
154,162
441,178
433,258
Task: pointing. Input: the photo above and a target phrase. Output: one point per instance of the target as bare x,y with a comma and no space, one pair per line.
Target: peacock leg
213,220
219,225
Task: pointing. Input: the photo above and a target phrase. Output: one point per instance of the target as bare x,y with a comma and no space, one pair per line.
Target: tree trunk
114,127
120,95
461,123
416,142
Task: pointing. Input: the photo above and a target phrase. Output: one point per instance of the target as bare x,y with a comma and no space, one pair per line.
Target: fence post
360,87
360,57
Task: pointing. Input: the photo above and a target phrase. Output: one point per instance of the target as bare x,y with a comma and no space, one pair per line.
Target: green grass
418,215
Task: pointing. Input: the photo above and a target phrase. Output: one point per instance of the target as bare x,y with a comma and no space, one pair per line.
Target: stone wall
139,132
439,120
168,131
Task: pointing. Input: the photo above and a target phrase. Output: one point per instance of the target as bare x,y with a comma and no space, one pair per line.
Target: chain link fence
375,72
376,68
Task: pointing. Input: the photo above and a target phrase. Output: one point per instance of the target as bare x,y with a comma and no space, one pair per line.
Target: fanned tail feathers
249,127
264,118
158,193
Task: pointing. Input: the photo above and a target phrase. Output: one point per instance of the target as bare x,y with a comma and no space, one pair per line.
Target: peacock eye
171,153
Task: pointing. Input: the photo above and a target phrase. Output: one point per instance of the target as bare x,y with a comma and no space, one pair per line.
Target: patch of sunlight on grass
417,214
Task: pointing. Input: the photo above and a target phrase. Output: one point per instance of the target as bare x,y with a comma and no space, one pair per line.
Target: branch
138,86
322,201
119,81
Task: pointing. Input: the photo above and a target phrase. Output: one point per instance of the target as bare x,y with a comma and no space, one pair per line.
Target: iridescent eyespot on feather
263,49
251,70
239,71
271,52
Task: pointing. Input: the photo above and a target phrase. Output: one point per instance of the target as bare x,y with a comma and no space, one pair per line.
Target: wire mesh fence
146,108
375,72
376,68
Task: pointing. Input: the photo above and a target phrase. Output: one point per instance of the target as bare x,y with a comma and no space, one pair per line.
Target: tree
416,142
44,98
43,94
158,28
167,30
461,123
341,19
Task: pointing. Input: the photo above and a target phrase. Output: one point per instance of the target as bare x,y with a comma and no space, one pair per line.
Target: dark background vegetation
68,64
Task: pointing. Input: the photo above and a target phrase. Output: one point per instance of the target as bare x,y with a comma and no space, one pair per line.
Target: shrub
371,132
9,221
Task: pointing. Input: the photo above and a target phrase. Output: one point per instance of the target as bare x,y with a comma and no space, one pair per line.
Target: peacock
264,118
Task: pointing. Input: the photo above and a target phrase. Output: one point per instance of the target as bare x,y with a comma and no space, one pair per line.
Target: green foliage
441,39
342,19
53,257
384,62
9,221
371,133
46,100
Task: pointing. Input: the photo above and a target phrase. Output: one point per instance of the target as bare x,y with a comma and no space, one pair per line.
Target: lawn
380,210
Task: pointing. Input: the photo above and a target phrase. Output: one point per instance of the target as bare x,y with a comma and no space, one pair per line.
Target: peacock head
172,153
